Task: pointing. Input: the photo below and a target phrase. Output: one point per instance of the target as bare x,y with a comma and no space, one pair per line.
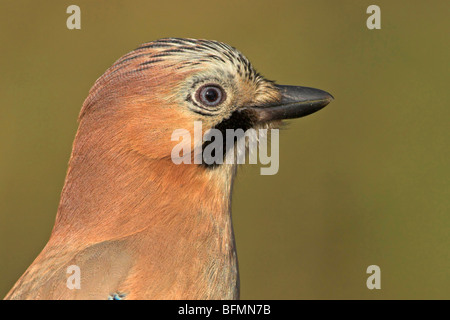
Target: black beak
295,102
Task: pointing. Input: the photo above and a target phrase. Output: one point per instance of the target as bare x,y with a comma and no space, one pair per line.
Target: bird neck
181,211
120,192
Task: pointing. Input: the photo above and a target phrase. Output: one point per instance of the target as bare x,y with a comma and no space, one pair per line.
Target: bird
137,225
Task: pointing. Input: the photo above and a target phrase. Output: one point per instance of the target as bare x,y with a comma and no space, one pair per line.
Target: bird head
168,84
121,170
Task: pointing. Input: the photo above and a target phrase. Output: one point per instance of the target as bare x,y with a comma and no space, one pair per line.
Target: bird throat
174,221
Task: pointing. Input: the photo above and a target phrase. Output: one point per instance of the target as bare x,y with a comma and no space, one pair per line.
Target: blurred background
364,181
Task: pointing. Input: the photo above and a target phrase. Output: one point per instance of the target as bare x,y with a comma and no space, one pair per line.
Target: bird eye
210,95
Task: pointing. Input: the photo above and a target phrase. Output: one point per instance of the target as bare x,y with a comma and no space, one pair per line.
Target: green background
364,181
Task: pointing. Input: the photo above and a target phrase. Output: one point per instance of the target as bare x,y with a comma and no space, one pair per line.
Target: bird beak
295,102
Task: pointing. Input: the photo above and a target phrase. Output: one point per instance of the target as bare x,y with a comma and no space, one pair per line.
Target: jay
137,225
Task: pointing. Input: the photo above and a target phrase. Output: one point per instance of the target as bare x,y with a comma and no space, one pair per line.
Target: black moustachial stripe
239,119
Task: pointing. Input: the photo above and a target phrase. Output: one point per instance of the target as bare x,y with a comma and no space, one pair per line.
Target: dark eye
210,95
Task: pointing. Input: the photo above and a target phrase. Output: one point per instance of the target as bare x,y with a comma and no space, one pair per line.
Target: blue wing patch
117,296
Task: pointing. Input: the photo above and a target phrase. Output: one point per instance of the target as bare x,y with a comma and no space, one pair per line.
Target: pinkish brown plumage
137,225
